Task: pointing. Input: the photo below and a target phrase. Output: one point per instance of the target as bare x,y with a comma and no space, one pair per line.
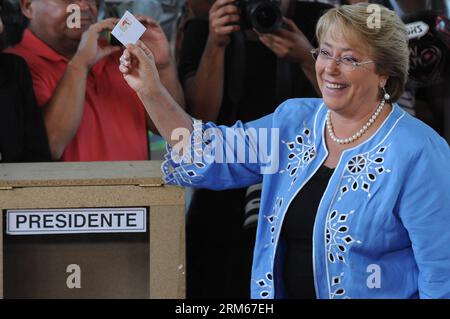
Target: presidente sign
71,221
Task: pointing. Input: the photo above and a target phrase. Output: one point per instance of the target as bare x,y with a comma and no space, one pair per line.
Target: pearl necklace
358,134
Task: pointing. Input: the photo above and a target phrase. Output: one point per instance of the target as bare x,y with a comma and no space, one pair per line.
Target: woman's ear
383,80
27,8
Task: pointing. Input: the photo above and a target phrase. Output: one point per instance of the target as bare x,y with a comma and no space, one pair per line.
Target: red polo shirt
113,126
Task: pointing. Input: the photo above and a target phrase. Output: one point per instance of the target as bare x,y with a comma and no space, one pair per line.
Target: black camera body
263,15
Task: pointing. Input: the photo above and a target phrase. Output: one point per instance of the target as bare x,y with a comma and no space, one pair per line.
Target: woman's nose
332,66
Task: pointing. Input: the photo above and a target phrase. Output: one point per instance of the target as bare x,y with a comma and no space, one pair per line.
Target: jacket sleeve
220,157
424,209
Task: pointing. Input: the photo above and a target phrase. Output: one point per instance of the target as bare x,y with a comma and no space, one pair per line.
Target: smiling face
345,90
48,21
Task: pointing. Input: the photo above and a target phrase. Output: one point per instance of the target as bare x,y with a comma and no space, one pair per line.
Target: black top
22,132
297,233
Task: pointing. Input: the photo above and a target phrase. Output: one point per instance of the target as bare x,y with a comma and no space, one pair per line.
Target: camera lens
265,16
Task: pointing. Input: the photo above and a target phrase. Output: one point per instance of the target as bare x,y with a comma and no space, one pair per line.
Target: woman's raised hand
138,67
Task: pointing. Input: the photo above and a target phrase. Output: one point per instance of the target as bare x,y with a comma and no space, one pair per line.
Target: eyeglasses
349,63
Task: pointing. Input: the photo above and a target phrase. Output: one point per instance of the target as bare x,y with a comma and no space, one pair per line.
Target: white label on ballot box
75,221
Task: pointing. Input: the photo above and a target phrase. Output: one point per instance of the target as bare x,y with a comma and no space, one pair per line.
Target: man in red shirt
90,112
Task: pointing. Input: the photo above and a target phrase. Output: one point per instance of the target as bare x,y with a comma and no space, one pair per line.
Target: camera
110,39
263,15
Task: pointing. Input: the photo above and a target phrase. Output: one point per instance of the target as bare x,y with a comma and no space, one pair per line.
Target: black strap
284,85
235,65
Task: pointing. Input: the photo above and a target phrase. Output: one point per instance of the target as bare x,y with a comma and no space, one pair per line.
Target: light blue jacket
382,228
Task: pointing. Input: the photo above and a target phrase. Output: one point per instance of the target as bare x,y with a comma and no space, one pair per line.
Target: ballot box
90,230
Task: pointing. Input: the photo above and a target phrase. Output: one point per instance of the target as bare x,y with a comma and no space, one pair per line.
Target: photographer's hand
204,88
89,50
290,44
223,21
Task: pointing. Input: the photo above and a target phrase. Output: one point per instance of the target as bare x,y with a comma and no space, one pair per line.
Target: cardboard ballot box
90,230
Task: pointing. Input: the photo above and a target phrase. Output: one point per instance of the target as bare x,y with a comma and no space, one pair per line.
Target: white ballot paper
129,29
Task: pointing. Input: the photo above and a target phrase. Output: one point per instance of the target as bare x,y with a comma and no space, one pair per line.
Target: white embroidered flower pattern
337,290
179,174
337,236
301,151
338,240
183,168
265,284
362,171
273,220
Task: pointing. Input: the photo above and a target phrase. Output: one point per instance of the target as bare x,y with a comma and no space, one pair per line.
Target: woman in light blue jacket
356,192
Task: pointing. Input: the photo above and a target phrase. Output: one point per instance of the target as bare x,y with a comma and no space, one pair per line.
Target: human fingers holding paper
130,29
139,69
138,66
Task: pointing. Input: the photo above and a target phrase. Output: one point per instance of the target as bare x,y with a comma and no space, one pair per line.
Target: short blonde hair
387,42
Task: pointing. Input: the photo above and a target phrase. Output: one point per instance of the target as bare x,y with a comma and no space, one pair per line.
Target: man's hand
290,44
155,44
89,51
223,21
155,40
